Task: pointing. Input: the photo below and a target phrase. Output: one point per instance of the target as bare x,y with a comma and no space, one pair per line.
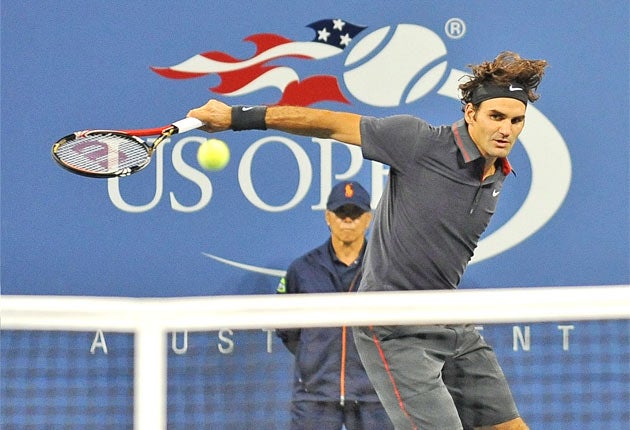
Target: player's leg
478,386
515,424
404,365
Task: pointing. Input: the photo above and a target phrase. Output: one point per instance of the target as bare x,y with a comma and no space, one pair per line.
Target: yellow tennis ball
213,154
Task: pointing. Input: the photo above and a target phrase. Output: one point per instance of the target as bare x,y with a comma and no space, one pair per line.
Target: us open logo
389,67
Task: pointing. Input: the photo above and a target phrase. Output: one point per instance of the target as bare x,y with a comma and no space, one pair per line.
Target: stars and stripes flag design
240,77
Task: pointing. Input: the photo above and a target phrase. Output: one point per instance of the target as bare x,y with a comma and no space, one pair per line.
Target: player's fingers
217,118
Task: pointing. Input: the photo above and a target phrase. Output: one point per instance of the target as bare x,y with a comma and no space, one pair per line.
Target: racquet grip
187,124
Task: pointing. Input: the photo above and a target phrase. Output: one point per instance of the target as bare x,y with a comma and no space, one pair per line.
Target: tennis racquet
113,153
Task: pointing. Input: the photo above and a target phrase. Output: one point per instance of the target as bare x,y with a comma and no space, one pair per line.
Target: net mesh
63,366
51,380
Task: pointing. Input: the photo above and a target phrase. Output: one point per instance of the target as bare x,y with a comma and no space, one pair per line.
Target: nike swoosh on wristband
246,108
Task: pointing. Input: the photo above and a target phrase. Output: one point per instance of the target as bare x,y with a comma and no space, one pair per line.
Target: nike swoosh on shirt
495,193
513,88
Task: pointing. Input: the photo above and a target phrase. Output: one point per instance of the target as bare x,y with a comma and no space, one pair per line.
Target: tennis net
215,363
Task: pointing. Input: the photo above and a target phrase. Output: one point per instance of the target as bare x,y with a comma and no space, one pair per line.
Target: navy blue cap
348,193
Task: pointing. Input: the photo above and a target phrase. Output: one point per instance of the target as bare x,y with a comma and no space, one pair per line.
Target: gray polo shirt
434,208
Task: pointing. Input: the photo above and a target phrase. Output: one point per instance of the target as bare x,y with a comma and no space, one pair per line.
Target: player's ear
469,113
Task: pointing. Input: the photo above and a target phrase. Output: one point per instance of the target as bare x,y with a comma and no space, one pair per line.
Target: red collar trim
460,143
506,167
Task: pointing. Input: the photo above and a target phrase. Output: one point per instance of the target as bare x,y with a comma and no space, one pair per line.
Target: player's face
495,126
349,224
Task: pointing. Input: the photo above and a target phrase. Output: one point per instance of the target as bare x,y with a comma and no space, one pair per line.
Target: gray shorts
435,377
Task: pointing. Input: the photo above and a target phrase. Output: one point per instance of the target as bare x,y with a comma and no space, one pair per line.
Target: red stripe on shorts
401,403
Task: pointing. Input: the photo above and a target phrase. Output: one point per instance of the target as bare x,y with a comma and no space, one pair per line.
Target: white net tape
316,310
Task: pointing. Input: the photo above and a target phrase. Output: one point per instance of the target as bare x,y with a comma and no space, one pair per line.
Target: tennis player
442,190
331,390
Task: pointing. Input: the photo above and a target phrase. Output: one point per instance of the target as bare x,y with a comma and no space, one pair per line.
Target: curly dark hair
508,67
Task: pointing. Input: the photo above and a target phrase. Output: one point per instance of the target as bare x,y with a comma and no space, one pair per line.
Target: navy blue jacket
318,351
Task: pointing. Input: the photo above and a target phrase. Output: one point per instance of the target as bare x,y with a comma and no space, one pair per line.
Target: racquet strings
103,153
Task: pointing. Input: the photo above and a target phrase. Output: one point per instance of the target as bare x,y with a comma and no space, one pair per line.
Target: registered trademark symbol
455,28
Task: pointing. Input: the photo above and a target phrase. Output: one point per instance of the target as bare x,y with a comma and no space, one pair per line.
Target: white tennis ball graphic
390,71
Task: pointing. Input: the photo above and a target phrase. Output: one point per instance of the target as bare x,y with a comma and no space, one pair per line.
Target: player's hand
216,114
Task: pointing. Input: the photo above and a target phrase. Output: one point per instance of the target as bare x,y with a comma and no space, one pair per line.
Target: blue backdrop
176,230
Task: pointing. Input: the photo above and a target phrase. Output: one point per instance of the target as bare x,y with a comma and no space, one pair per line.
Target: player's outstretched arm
341,126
